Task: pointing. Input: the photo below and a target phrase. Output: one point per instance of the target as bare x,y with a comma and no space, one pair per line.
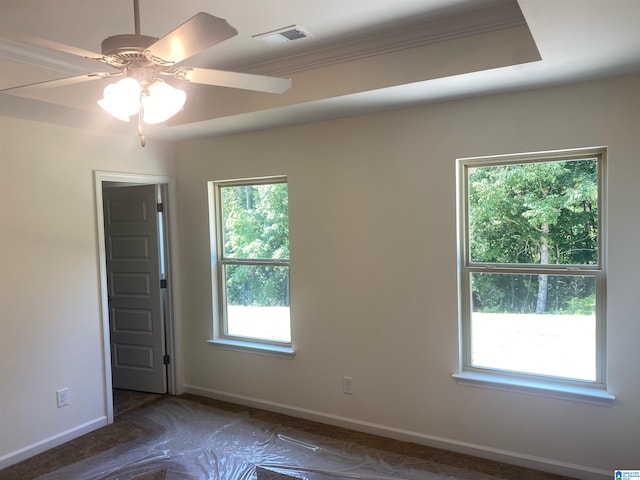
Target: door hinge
163,283
160,207
166,360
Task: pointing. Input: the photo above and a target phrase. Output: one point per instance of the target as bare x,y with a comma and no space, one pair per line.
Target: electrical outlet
62,396
347,385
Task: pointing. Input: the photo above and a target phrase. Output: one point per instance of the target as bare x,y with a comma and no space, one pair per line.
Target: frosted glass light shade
121,99
162,103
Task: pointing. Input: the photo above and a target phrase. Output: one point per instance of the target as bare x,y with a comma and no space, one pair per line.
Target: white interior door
136,320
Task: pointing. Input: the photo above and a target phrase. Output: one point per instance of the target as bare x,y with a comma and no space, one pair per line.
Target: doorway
136,280
139,325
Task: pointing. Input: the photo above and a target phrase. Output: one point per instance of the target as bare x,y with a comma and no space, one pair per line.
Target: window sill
547,389
253,347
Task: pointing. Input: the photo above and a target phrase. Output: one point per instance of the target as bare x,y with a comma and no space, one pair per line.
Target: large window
531,267
252,261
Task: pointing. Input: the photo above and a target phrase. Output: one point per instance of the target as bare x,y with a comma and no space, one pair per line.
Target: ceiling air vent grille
283,35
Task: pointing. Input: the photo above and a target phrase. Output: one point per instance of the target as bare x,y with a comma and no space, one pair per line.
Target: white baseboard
504,456
44,445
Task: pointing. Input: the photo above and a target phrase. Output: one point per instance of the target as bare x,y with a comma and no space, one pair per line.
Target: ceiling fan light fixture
141,61
121,99
161,101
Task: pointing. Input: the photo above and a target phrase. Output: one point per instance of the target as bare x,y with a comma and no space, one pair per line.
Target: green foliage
541,212
256,221
256,226
517,293
581,306
499,293
257,285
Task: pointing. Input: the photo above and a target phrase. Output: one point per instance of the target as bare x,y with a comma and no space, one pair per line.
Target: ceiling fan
148,66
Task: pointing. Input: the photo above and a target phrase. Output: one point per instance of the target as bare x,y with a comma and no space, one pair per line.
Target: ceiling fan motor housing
128,48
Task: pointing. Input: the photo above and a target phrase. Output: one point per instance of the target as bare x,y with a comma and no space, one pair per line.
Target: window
252,263
531,270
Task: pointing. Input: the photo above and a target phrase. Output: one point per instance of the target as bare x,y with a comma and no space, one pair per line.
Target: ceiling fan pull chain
141,121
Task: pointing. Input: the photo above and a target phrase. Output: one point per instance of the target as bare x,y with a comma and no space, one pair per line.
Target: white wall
372,230
50,324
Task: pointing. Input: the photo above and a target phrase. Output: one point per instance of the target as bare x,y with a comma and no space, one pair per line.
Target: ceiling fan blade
196,34
60,82
244,81
43,43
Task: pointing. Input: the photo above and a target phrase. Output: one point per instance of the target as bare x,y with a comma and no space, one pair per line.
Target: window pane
255,221
538,324
258,301
545,213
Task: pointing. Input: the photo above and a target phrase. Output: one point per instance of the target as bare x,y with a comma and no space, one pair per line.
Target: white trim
594,396
174,327
496,454
175,375
530,382
219,262
254,347
51,442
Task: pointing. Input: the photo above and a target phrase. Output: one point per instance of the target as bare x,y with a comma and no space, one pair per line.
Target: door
136,317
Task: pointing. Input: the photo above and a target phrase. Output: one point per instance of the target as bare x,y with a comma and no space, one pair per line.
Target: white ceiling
363,56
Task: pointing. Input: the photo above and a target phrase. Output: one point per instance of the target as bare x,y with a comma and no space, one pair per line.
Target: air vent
283,35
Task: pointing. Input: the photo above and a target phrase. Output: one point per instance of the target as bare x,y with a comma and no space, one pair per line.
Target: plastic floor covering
193,441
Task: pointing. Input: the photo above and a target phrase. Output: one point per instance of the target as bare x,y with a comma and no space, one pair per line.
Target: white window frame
569,389
219,261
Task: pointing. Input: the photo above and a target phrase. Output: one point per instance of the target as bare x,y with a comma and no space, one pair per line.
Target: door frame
175,379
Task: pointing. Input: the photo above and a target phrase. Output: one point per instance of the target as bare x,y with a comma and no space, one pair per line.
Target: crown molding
393,38
397,36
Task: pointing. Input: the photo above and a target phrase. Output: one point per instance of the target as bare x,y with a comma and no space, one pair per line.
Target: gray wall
373,275
50,324
367,302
